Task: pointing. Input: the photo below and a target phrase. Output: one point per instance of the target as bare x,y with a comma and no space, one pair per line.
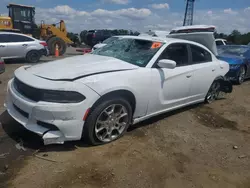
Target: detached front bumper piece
226,85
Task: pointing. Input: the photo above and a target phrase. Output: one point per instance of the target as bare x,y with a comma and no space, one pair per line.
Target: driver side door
171,87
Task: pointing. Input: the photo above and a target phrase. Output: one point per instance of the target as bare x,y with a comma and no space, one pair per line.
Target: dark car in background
92,37
2,66
238,57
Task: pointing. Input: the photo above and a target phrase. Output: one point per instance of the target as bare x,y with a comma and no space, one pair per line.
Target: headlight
62,96
234,66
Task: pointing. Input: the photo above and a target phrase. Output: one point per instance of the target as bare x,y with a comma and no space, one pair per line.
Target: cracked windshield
134,51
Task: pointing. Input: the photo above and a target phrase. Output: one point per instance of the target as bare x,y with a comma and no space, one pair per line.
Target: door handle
2,46
25,44
213,70
188,76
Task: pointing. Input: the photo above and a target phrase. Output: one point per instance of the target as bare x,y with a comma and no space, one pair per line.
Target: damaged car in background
98,95
238,58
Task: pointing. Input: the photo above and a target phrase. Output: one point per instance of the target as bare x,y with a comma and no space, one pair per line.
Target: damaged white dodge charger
98,95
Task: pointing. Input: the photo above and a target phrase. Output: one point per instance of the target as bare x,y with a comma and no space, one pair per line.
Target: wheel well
128,95
31,51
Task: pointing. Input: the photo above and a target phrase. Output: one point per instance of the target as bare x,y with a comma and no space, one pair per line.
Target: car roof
6,33
164,40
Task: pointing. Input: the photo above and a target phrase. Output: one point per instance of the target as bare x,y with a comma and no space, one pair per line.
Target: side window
3,38
19,38
219,43
177,52
200,55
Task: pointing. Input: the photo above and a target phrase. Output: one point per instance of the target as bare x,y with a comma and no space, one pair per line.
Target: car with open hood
99,95
238,57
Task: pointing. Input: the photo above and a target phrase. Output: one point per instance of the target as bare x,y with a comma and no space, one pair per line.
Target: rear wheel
52,42
33,56
213,92
241,76
108,121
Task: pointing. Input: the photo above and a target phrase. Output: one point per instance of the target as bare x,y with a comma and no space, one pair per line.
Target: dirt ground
203,146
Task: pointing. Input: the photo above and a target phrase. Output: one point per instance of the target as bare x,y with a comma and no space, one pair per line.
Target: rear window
234,50
200,55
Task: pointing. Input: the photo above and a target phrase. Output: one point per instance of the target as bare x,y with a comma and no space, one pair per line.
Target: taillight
44,44
1,61
94,35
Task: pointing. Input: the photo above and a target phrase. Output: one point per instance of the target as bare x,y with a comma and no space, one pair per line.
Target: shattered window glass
135,51
233,50
109,40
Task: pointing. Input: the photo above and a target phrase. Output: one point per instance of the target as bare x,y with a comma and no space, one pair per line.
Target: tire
213,92
33,56
90,133
52,45
241,75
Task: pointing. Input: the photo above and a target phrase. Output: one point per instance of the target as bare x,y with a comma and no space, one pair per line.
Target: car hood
76,67
231,59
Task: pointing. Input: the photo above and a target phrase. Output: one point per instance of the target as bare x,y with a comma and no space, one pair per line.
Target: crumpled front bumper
54,122
226,85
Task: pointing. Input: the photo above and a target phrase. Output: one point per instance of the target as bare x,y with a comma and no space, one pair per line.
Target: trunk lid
200,33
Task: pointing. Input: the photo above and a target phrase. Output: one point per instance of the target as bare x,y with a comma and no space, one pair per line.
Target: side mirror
167,63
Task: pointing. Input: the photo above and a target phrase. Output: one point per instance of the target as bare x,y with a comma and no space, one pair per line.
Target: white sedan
98,95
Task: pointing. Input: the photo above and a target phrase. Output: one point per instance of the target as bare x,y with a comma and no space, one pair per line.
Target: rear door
17,45
205,70
3,45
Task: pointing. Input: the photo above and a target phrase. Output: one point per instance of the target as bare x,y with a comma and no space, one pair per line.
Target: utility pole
189,13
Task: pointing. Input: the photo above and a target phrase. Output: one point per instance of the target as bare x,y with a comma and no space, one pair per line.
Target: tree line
235,37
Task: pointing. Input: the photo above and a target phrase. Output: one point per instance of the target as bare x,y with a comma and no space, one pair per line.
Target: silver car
19,46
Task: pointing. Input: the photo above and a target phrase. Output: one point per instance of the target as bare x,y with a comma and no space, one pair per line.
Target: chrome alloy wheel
242,75
213,92
111,123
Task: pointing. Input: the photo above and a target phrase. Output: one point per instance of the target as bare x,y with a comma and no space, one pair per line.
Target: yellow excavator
21,19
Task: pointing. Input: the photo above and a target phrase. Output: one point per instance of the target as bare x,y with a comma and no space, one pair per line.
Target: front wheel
213,92
108,121
241,76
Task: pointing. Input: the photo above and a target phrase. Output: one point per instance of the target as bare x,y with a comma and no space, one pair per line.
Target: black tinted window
177,53
200,55
19,38
218,43
3,38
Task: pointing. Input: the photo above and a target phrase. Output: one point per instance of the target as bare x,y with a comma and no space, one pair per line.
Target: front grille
27,91
25,114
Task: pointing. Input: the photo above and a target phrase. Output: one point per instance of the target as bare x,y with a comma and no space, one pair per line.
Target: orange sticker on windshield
156,45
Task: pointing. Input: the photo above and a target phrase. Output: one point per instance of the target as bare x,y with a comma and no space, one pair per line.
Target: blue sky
140,15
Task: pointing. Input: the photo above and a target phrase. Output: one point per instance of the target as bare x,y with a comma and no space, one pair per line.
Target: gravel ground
200,146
